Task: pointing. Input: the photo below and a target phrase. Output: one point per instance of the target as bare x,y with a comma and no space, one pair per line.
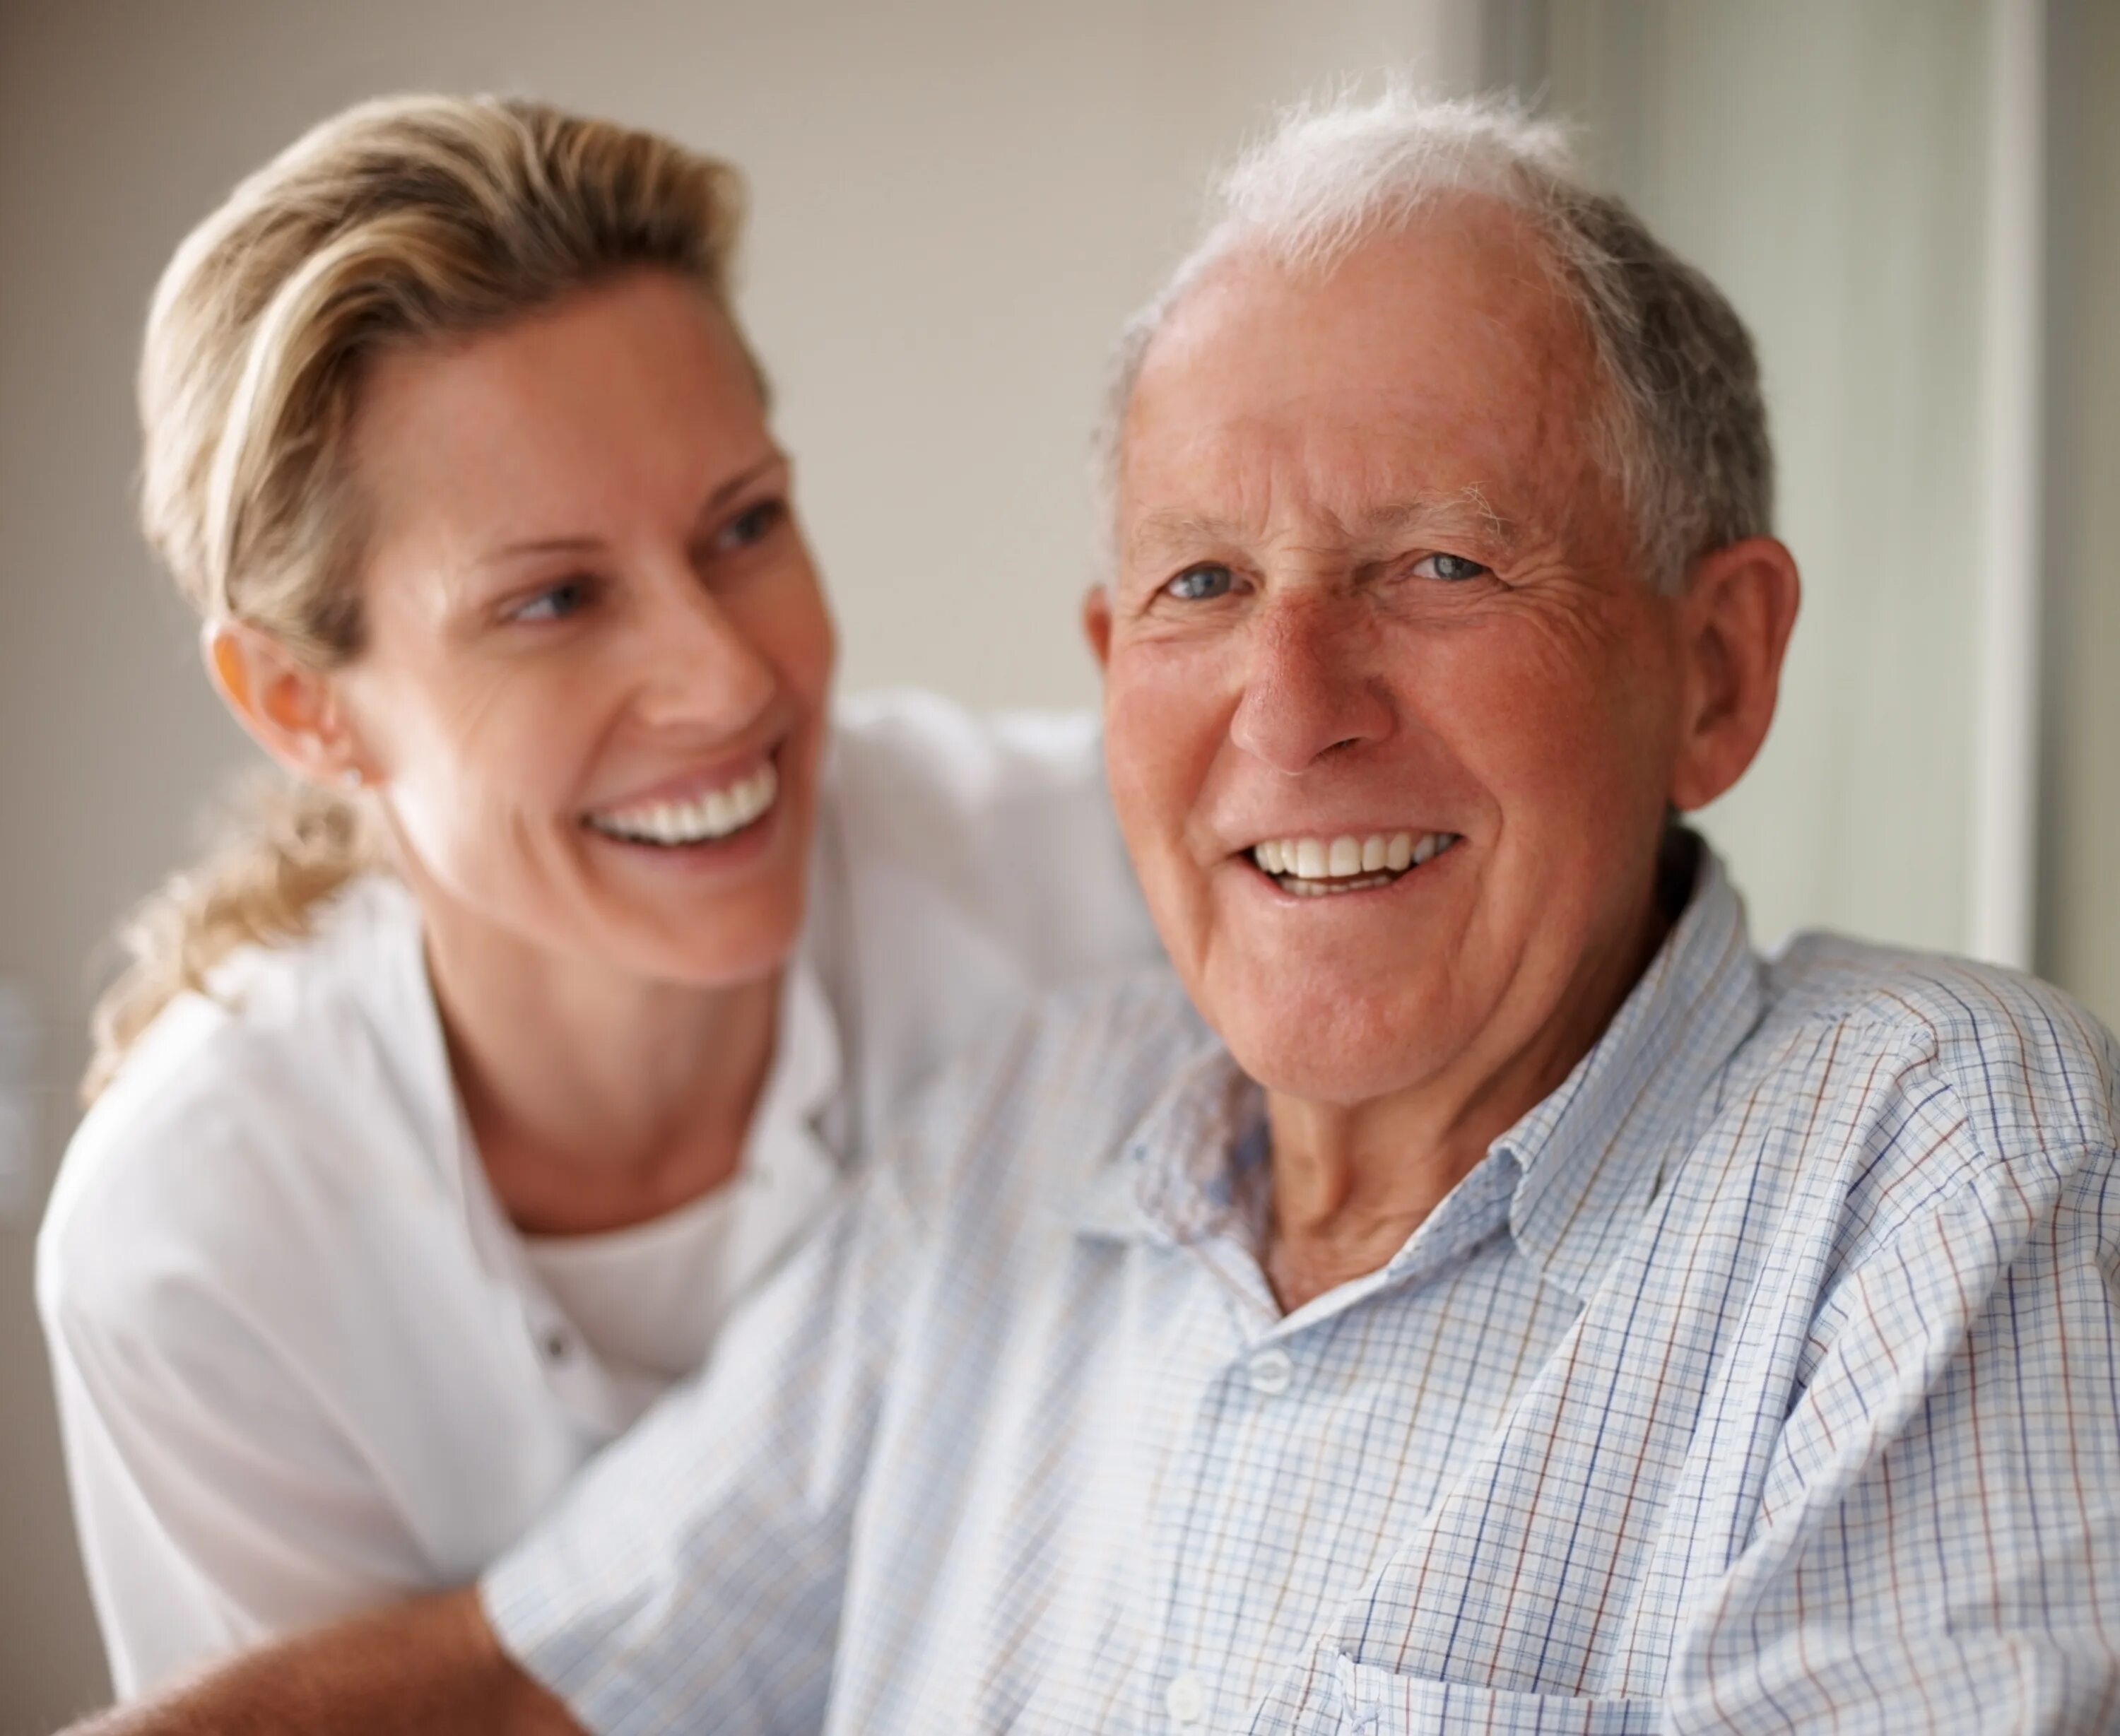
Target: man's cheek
1143,752
1139,810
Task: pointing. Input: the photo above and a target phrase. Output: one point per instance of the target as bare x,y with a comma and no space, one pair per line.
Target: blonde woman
440,1119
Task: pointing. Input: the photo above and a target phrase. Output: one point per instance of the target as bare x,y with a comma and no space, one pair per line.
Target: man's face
1371,591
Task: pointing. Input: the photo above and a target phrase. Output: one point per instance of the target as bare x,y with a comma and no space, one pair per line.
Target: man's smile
1317,867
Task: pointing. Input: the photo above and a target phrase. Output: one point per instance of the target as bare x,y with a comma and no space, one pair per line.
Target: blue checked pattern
1765,1377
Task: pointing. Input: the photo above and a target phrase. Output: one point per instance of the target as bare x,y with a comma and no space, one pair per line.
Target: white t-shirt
650,1299
305,1365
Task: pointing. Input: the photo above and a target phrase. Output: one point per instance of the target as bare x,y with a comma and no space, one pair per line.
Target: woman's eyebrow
723,493
541,545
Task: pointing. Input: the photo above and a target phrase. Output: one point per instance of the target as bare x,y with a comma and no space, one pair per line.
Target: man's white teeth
715,814
1348,864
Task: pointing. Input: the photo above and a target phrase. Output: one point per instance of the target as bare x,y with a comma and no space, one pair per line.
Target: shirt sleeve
692,1576
216,1502
1938,1542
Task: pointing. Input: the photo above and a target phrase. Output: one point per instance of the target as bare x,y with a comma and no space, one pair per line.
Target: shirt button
1271,1371
1186,1699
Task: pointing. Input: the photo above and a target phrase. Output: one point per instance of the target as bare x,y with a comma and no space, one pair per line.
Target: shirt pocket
1380,1702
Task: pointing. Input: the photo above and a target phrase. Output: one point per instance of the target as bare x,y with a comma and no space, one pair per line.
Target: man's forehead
1467,270
1337,468
1431,374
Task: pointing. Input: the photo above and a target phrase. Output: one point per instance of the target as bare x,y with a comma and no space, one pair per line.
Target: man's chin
1330,1061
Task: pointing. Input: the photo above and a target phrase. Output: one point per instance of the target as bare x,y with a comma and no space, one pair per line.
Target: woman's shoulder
897,746
292,1061
998,822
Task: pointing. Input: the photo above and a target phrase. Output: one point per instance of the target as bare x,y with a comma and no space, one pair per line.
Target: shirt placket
1210,1526
1207,1527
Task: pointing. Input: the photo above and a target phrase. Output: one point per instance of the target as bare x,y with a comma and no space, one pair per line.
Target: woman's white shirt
304,1362
648,1301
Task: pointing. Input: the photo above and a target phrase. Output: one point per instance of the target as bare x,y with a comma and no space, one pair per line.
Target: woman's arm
431,1668
218,1505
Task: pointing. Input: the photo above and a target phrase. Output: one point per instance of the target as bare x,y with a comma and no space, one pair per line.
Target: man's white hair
1680,427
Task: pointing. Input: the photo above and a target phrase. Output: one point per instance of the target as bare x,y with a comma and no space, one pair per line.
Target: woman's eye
1200,584
553,603
753,524
1453,567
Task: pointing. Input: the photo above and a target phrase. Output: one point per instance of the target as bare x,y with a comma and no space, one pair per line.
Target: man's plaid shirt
1765,1377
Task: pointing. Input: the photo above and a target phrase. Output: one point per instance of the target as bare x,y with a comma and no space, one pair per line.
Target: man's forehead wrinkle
1485,435
1318,518
1228,498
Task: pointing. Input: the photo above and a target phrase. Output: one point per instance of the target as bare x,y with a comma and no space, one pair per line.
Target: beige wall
1823,163
2079,933
956,203
1827,164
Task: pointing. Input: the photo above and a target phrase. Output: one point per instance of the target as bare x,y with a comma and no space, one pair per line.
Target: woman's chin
716,944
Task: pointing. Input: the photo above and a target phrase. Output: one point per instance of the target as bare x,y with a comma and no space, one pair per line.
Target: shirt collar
800,1092
1592,1153
1584,1163
1175,1177
802,1086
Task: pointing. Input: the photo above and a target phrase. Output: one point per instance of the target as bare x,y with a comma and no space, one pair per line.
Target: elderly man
1477,1293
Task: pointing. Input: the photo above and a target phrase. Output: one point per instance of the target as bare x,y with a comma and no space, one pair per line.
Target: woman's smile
714,812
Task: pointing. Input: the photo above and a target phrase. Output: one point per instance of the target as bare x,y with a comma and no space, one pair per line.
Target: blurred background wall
955,205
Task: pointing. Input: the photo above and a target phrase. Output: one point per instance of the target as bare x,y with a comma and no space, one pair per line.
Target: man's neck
1352,1182
597,1099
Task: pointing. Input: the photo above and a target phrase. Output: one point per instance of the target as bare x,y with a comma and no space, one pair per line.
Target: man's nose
1309,684
699,667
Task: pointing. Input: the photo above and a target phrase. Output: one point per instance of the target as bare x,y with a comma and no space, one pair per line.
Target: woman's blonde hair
400,221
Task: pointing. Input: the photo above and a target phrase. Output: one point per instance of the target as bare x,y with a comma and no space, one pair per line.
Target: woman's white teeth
715,814
1348,864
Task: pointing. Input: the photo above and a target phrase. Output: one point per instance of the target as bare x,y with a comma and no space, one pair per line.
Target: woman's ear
1735,618
288,709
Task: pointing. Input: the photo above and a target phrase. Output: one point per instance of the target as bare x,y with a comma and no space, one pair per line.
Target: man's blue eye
1200,584
1454,568
555,603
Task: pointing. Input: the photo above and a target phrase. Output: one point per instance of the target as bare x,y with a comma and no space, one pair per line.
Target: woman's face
590,696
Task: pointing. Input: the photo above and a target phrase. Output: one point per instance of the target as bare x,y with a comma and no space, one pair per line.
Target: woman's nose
701,669
1309,687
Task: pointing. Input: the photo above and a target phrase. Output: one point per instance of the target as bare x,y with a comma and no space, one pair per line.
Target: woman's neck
596,1100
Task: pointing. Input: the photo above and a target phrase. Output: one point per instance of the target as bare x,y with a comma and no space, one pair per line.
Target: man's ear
1734,623
1097,622
288,709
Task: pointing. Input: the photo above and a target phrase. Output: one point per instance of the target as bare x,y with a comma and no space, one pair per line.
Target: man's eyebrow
1467,506
1173,526
724,493
1462,510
